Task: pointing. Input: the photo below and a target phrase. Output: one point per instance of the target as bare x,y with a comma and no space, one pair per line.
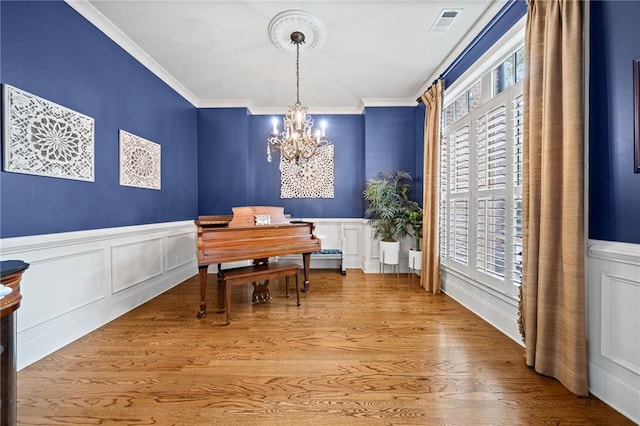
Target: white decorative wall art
139,162
46,139
312,178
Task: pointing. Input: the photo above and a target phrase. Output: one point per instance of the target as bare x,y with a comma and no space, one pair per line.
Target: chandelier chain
298,142
298,72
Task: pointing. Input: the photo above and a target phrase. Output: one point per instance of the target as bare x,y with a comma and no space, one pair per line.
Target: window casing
481,175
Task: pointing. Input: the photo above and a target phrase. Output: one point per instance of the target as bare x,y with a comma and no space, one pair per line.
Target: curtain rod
419,98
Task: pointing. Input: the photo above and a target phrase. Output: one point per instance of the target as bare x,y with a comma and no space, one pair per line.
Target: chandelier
298,141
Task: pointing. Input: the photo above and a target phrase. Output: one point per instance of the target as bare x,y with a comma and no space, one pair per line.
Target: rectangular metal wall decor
46,139
139,162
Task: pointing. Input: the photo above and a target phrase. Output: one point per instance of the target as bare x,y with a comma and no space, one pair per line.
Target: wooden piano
251,233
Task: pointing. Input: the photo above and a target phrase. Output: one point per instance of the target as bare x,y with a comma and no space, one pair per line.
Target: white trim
614,251
613,295
492,57
77,281
16,245
616,393
95,17
389,102
227,103
91,14
479,25
493,307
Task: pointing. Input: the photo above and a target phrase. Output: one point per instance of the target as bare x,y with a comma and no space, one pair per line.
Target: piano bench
254,273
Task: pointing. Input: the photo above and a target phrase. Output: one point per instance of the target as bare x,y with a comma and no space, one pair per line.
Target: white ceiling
218,53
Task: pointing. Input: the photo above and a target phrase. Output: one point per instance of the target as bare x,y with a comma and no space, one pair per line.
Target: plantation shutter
518,128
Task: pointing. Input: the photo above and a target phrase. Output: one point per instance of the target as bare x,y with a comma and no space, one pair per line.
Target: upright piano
251,233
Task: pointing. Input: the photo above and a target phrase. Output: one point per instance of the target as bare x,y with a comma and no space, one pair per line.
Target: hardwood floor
361,349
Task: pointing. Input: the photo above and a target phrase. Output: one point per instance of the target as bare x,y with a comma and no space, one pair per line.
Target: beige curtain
553,289
430,277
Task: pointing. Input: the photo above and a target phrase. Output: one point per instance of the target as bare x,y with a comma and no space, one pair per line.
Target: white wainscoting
79,281
335,233
361,250
613,306
370,258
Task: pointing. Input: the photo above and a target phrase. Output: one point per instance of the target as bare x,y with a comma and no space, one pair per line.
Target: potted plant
388,199
414,216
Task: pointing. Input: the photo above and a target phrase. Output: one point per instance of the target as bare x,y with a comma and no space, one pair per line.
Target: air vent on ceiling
444,20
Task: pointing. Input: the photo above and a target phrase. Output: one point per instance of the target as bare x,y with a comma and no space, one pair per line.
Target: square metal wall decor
312,178
46,139
139,162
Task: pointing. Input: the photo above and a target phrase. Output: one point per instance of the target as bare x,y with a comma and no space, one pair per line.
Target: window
481,177
510,71
465,103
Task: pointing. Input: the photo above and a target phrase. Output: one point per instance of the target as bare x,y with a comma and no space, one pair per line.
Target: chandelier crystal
298,141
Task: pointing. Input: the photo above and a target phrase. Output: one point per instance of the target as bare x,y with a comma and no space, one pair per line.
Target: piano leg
306,259
202,276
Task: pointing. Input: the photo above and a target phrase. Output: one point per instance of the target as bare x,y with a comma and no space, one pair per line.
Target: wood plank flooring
360,350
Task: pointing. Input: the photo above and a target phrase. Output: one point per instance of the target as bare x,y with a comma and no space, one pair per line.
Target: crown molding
313,110
226,103
388,102
91,14
491,12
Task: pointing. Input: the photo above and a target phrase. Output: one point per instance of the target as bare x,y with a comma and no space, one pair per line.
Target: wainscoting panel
67,290
352,235
620,297
135,262
45,293
613,302
180,249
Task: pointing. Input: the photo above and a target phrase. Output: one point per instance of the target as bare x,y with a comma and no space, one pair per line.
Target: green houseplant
414,216
388,200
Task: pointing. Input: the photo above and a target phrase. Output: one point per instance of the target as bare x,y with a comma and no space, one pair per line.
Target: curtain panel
430,276
552,313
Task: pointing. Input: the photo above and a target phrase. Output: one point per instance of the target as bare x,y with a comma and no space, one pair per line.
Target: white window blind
518,129
459,231
491,149
444,189
459,161
481,184
491,236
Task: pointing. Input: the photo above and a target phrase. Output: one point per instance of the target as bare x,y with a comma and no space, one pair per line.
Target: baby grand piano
251,233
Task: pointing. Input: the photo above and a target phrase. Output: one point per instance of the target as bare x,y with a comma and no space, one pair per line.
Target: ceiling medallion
285,23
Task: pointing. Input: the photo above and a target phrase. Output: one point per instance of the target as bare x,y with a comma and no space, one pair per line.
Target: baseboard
616,393
498,310
613,303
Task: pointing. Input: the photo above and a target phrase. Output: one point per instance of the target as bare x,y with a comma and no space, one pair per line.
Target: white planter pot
389,252
415,259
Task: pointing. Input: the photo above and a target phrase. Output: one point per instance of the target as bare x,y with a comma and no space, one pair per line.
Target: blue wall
233,168
224,160
614,190
51,51
390,134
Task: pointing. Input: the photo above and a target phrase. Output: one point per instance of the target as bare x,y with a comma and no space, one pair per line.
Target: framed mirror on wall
636,113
